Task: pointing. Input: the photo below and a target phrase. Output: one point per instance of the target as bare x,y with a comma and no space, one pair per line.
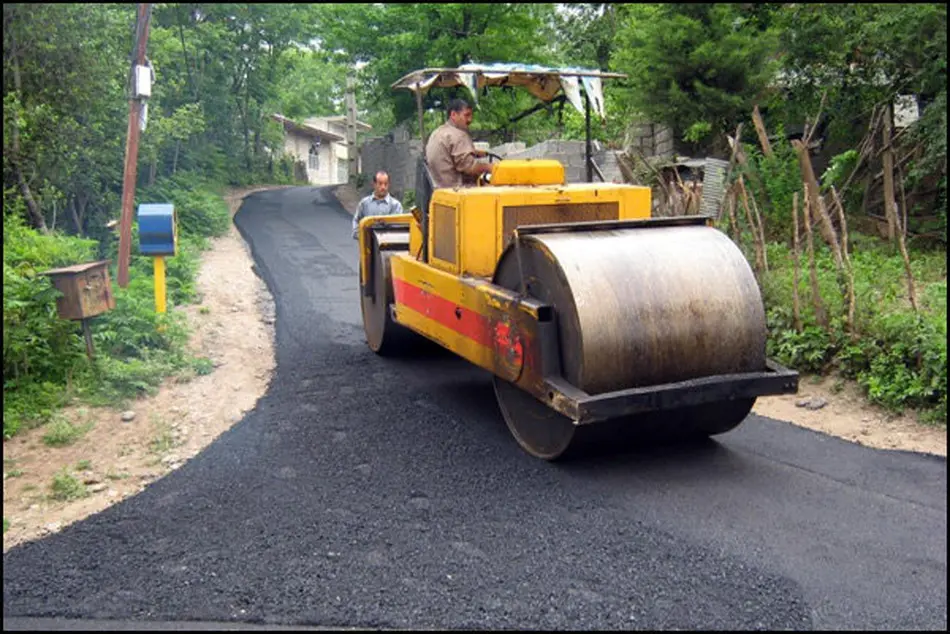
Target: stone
816,403
127,416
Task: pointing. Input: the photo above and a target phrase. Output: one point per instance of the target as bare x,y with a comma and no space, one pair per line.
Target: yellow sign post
159,262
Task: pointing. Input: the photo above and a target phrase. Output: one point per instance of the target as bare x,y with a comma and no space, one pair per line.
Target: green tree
698,68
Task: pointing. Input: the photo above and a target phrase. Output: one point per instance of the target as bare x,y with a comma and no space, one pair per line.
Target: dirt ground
233,324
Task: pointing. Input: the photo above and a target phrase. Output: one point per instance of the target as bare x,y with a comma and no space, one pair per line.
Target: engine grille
520,215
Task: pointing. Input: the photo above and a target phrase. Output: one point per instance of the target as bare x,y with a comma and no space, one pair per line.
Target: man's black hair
458,105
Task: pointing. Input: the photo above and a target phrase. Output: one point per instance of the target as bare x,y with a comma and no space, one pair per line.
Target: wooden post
796,309
815,204
820,315
132,149
890,202
87,335
351,150
849,271
759,258
760,130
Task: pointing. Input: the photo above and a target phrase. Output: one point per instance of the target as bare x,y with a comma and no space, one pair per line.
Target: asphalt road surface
381,493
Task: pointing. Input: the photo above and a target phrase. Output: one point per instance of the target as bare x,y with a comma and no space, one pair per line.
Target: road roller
595,320
587,312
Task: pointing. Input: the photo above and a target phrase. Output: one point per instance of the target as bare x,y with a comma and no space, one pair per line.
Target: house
319,147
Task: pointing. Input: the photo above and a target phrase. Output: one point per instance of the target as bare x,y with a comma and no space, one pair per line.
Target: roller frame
542,376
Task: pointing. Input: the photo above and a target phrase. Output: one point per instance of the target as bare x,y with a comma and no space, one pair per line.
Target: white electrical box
143,81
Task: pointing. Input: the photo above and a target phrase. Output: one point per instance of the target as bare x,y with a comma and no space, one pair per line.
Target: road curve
382,493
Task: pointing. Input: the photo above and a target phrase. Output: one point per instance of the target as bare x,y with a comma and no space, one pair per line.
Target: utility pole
136,104
351,151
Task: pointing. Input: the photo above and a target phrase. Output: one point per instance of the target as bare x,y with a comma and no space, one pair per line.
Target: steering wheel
485,179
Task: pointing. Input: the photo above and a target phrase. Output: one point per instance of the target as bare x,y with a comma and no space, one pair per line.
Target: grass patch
60,432
117,476
163,441
14,473
84,465
65,487
6,525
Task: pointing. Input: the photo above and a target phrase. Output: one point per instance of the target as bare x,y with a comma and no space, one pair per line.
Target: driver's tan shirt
450,156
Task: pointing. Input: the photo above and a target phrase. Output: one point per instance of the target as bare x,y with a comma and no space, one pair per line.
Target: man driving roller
450,153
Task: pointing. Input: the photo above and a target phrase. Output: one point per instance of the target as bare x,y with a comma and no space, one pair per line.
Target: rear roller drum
384,336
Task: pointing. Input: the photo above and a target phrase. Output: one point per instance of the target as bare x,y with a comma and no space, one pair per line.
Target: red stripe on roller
464,321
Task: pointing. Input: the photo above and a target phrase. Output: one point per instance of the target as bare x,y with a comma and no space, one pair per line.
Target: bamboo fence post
796,310
849,270
828,232
759,260
760,130
760,224
820,314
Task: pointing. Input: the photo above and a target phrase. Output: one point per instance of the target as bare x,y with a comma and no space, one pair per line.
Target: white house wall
298,146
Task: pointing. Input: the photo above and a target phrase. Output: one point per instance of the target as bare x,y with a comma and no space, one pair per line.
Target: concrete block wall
650,139
398,158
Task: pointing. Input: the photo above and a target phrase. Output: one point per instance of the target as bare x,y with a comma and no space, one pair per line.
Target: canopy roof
543,82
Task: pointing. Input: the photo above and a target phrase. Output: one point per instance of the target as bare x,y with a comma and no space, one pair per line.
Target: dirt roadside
233,324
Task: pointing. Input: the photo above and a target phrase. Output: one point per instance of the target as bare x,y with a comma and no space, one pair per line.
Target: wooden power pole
136,104
351,151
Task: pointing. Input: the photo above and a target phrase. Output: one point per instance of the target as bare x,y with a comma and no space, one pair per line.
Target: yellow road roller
592,317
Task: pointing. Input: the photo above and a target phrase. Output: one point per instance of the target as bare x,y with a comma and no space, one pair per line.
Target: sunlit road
372,492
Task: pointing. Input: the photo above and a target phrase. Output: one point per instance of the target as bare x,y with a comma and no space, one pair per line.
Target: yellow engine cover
528,172
471,226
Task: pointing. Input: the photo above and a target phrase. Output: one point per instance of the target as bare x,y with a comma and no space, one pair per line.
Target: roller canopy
543,82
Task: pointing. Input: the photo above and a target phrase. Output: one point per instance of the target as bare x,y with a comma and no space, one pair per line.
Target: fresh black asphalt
387,493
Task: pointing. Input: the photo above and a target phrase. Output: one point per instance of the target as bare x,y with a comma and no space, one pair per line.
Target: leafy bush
45,363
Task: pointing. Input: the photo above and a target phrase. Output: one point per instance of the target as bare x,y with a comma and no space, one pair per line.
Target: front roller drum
635,308
545,433
383,335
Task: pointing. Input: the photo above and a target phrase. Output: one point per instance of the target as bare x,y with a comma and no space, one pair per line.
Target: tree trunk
175,157
75,216
36,215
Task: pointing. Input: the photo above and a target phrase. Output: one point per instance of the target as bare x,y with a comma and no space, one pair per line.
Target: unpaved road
384,493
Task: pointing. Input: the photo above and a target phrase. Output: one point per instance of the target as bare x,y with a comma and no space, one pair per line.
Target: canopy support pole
589,163
422,130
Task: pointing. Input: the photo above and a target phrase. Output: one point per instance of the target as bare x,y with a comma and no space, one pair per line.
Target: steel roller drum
644,306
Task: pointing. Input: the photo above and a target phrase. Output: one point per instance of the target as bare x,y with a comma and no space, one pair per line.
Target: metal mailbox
86,289
158,231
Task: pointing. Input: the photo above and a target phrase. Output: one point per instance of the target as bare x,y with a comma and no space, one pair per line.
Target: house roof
306,130
359,124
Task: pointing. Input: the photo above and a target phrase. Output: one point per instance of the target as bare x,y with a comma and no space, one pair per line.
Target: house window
314,161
